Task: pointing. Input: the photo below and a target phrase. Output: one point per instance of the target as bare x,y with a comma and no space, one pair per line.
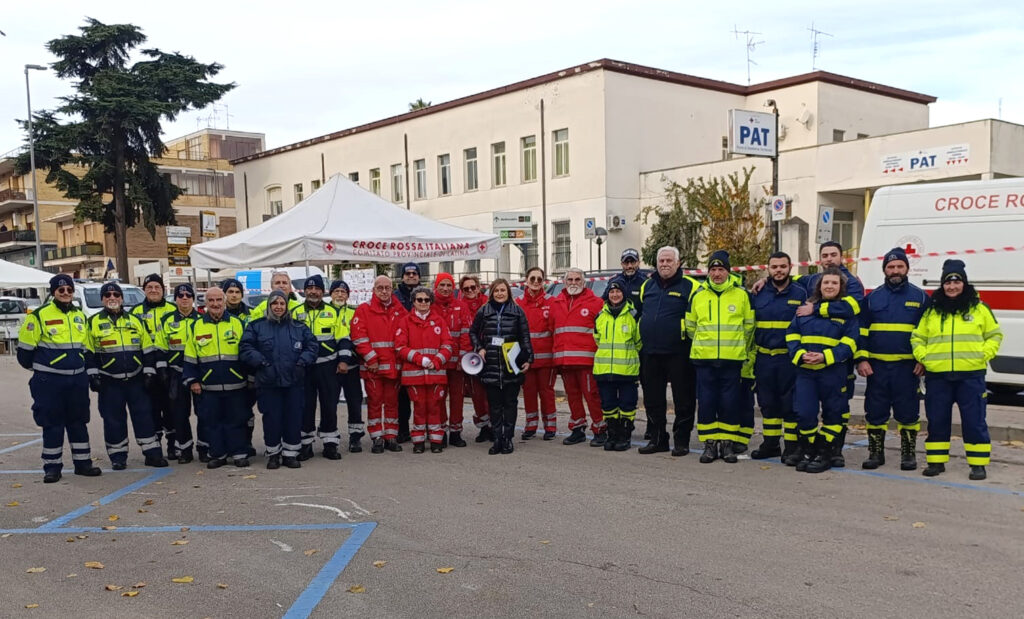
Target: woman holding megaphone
501,336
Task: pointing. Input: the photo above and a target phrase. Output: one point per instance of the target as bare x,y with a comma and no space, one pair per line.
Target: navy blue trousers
720,402
119,399
618,398
60,404
281,408
825,388
224,414
892,386
321,385
776,378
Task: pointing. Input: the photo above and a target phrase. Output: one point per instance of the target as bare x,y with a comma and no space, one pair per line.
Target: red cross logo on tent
482,247
329,247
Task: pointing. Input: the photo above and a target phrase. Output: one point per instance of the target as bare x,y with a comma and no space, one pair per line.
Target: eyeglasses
382,287
184,295
469,288
64,290
421,300
535,278
111,294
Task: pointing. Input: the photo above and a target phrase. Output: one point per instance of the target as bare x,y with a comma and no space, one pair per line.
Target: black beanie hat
110,287
60,279
953,269
314,281
719,259
339,283
154,277
184,288
896,253
232,283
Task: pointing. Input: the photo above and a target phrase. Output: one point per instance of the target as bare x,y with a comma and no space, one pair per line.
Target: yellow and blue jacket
211,353
54,340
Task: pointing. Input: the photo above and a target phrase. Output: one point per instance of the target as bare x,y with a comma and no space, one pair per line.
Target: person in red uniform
450,310
424,346
472,300
373,335
540,379
573,313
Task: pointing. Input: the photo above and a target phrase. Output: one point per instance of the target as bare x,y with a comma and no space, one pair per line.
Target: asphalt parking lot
547,531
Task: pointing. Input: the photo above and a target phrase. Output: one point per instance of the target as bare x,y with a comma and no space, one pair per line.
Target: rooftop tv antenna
749,35
816,45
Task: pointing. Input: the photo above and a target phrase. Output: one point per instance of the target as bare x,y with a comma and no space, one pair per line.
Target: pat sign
752,133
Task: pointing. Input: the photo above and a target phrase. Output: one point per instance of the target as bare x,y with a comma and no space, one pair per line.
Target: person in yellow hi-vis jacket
53,344
720,322
957,336
617,365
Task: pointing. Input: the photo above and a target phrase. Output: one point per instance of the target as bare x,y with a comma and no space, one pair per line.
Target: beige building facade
599,141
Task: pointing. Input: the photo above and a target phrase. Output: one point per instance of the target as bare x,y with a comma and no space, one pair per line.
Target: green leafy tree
706,215
96,146
419,104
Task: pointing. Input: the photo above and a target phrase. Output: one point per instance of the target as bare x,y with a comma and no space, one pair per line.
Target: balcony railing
85,249
10,194
12,236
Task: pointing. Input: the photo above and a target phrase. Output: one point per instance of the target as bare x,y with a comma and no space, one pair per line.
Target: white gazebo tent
18,276
344,222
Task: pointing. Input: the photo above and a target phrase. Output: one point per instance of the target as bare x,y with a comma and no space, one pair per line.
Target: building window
561,139
298,192
472,177
195,148
531,253
419,167
354,177
471,267
528,145
275,205
498,164
397,183
861,136
447,266
375,181
444,175
560,246
314,185
838,135
843,230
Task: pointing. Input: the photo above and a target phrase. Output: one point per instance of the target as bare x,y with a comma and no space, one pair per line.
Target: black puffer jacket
511,326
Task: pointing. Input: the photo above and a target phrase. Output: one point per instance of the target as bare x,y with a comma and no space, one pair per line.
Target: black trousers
352,387
404,412
504,404
659,370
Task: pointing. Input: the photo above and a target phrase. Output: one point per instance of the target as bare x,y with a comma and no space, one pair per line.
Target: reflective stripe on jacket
122,347
720,323
211,353
417,339
323,322
170,341
956,342
373,335
54,341
888,315
618,342
773,311
835,338
454,317
573,319
665,302
537,308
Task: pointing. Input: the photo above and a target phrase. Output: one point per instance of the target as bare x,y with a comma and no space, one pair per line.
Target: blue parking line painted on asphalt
229,528
7,450
113,496
935,482
303,606
40,470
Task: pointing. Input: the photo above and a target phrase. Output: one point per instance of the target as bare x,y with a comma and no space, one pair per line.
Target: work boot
444,441
876,449
331,451
738,448
507,445
933,469
51,477
204,454
185,456
403,437
549,435
354,444
274,462
241,462
655,445
455,439
436,448
495,448
577,436
392,445
119,466
378,446
419,448
769,448
528,434
305,453
837,459
87,469
216,463
727,451
908,450
977,473
623,442
823,456
804,453
710,452
788,449
172,451
611,435
290,462
156,460
486,435
599,440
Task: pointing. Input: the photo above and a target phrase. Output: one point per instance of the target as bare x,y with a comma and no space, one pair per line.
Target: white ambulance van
959,216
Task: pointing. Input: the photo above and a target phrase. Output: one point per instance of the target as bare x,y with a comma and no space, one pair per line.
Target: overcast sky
303,69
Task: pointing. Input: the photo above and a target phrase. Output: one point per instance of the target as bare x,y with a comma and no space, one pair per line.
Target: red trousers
427,412
579,386
481,409
540,384
381,406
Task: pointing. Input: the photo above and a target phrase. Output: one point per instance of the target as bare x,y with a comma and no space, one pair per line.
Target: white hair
274,274
670,249
574,270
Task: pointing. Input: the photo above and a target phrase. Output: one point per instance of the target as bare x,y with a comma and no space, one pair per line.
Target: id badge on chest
497,341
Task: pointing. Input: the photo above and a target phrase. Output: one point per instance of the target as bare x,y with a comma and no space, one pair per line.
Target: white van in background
960,216
257,281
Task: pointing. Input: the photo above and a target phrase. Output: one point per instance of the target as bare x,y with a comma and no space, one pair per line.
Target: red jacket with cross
573,318
417,339
373,335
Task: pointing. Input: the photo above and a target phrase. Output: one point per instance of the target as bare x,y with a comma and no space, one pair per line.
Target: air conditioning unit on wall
616,222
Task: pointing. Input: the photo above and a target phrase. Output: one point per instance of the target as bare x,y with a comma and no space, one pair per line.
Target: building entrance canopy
344,222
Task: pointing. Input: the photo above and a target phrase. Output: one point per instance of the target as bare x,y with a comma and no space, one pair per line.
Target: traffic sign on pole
778,208
589,228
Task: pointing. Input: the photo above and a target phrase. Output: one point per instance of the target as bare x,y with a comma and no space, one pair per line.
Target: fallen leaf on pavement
179,542
13,504
138,585
35,570
31,605
15,485
96,565
6,535
172,492
544,541
143,511
249,477
444,570
765,467
70,539
129,594
1017,443
200,472
919,525
113,517
82,536
183,529
891,518
148,502
311,552
95,503
357,589
184,579
71,576
110,527
379,563
222,585
113,587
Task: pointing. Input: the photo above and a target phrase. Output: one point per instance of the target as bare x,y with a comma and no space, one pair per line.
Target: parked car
13,311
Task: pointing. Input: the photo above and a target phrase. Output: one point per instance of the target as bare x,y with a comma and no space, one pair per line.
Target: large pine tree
96,146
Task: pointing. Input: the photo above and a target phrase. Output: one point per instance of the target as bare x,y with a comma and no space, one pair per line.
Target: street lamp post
32,163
